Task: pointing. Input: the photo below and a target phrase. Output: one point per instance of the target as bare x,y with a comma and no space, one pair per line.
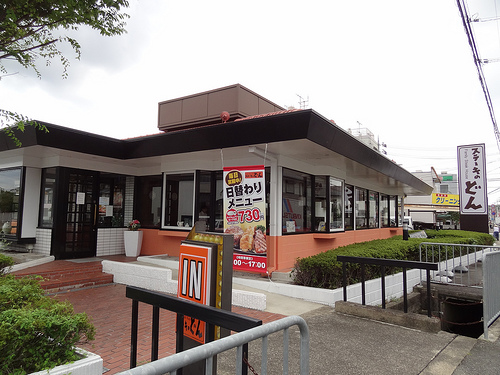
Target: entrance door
76,229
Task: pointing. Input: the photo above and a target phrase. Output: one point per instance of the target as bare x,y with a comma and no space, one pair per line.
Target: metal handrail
461,255
209,314
404,264
208,351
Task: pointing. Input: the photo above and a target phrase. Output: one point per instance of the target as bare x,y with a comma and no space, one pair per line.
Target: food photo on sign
250,239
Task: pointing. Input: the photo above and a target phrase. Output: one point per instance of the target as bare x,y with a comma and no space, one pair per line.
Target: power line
477,61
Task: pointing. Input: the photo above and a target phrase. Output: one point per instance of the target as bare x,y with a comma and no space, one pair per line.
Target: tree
12,121
35,29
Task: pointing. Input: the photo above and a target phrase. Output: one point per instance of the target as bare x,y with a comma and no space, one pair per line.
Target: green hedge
323,270
37,332
6,263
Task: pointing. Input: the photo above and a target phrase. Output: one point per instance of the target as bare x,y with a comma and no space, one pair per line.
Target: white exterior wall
110,241
31,202
43,240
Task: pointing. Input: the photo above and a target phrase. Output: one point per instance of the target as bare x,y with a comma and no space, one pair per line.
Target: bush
324,271
6,263
37,332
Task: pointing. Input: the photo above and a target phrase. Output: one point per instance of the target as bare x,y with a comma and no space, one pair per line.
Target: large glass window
393,209
209,196
296,205
111,201
48,194
320,203
336,204
361,208
373,209
349,207
148,201
179,200
10,186
384,211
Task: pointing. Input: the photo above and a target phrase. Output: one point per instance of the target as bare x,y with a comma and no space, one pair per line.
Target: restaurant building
70,193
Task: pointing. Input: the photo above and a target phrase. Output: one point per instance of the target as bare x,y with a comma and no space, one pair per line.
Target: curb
32,263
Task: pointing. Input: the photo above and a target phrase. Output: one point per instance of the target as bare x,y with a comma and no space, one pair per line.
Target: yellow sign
445,199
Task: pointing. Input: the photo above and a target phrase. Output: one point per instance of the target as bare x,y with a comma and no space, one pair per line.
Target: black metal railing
211,315
383,263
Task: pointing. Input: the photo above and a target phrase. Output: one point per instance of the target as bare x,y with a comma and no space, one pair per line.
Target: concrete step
68,283
69,276
155,275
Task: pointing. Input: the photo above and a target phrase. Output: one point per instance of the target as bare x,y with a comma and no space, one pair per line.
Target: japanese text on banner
472,179
245,216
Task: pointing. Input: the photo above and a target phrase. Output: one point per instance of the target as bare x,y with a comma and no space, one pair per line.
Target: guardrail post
133,334
155,333
363,289
405,291
382,280
344,280
428,275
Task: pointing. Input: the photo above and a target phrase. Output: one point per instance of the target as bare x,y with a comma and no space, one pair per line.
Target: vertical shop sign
472,179
245,216
194,284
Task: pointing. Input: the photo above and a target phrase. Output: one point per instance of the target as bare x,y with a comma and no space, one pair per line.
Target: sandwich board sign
205,277
194,284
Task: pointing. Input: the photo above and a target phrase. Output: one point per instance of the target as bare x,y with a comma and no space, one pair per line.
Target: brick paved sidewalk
111,314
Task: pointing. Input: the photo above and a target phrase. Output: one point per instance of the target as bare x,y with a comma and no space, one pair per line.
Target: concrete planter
90,364
133,242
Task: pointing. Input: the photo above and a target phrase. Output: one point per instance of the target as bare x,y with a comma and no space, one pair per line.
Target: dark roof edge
64,138
305,124
341,142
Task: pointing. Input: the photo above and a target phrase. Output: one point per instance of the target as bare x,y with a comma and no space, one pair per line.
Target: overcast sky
402,69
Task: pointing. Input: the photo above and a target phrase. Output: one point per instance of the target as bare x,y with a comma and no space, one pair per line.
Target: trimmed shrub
37,332
324,271
6,263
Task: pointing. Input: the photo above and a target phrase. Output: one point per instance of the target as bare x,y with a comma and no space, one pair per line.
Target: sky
404,70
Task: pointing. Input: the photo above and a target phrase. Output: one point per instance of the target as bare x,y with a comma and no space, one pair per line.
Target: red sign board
194,284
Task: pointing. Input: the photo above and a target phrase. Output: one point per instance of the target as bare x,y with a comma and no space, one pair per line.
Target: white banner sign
245,216
472,179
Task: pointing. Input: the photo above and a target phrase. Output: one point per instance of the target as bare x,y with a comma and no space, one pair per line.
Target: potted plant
133,239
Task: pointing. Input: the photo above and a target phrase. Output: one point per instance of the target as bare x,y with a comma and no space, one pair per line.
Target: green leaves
6,263
37,332
12,122
34,29
324,271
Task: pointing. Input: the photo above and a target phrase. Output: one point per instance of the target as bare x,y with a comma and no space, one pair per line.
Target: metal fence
468,265
491,283
211,315
207,351
383,263
457,263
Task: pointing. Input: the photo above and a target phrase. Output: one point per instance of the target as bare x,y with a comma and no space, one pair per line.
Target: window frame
341,205
306,192
138,199
165,192
17,213
365,218
45,171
